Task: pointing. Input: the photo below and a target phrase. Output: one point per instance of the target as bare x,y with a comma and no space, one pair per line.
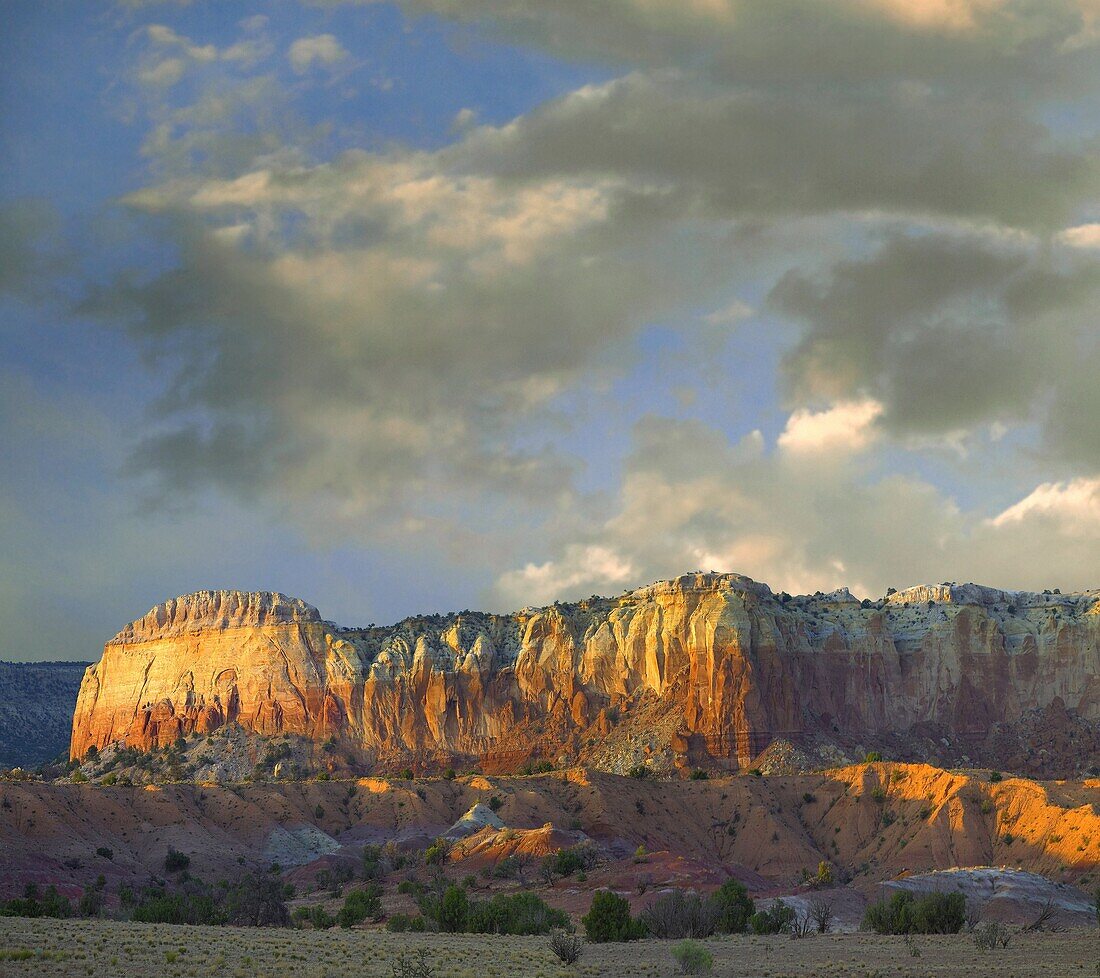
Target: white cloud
580,569
734,312
321,49
1074,505
845,428
1081,236
692,500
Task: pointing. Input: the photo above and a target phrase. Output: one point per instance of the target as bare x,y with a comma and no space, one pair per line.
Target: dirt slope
869,822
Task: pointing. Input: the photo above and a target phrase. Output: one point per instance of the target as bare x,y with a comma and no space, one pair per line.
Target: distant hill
36,710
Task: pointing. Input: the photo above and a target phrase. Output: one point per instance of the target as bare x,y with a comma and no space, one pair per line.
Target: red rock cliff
708,666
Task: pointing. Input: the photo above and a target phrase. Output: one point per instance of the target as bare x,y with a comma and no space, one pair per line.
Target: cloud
691,499
580,569
1072,506
775,151
392,343
322,50
845,428
1082,236
948,331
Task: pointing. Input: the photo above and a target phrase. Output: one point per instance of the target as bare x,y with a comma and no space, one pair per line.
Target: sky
423,306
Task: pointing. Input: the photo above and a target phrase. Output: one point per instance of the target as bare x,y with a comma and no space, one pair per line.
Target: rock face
36,710
707,668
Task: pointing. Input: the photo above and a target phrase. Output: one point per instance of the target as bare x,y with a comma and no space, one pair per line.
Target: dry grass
104,949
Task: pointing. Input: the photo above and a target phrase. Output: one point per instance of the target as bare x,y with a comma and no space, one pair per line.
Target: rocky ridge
706,669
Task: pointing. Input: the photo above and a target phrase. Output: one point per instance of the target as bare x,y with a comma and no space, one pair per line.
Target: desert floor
103,949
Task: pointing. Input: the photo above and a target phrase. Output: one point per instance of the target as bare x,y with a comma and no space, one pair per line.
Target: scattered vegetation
693,958
609,919
567,947
777,919
934,913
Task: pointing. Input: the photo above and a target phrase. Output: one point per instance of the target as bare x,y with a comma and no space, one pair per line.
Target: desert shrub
360,905
824,874
258,900
397,923
517,914
934,913
31,904
995,776
639,771
608,919
693,958
373,865
939,913
735,907
105,852
436,853
699,775
676,914
821,914
79,777
777,919
91,903
158,907
176,861
872,757
412,966
566,947
495,803
316,916
576,858
990,936
452,909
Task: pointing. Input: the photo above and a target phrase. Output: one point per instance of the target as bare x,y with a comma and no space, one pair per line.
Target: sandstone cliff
704,669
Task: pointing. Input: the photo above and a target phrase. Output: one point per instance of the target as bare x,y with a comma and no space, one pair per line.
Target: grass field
104,949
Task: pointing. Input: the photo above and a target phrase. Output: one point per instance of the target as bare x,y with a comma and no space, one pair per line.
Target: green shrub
397,923
51,904
360,905
452,910
436,853
934,913
735,907
176,861
777,919
517,914
699,775
158,907
693,958
495,803
872,757
316,916
608,919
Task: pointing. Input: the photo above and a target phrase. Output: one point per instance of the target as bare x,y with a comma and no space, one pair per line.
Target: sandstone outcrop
704,669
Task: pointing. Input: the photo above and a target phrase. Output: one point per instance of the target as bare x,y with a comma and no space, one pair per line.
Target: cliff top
203,610
222,609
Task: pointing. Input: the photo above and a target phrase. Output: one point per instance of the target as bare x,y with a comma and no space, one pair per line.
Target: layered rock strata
703,668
